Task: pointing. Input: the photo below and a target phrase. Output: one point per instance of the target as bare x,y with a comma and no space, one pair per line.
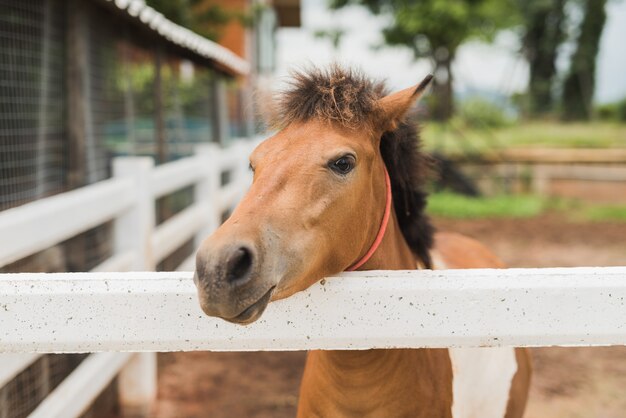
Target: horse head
317,199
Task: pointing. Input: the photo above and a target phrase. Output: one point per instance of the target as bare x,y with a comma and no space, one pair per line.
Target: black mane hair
347,98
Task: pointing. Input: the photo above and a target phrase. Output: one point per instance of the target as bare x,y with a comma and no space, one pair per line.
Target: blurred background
526,120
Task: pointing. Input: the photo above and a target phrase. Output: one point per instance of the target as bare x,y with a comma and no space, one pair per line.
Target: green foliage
544,31
615,112
435,29
426,25
334,35
450,205
481,114
579,85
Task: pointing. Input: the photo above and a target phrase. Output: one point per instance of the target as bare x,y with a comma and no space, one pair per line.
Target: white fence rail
139,244
360,310
119,312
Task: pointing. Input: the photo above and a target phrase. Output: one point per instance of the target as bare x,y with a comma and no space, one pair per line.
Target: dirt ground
568,382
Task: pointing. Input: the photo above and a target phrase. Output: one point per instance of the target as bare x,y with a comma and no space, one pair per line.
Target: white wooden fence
116,313
96,312
139,244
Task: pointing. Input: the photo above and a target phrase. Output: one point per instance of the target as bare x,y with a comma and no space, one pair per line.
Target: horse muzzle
229,282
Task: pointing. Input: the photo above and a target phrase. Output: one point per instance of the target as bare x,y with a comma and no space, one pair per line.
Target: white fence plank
39,225
77,391
453,308
181,227
133,230
119,262
188,264
129,199
206,191
170,177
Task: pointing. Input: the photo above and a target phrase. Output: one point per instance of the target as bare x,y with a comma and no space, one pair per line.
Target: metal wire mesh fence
134,96
32,104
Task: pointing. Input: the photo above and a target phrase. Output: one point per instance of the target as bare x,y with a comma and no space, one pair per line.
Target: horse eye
343,165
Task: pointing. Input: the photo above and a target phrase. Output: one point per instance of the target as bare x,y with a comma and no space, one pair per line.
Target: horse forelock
347,98
338,95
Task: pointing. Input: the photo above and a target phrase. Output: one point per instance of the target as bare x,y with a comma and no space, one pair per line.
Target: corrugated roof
183,37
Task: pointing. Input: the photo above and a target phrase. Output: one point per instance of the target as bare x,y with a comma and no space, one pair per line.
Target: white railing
360,310
139,244
117,313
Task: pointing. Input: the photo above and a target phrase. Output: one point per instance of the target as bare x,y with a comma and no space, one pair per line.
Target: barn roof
149,18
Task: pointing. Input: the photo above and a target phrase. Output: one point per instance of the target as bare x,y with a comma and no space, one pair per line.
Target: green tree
435,29
543,34
579,85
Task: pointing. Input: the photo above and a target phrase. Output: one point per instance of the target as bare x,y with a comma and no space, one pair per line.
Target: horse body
314,209
429,383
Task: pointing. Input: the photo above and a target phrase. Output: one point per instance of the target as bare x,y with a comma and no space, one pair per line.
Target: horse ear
394,106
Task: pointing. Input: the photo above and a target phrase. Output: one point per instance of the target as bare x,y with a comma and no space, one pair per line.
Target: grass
605,213
450,205
454,138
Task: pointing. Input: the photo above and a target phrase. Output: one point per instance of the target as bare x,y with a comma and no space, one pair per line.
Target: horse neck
393,253
328,373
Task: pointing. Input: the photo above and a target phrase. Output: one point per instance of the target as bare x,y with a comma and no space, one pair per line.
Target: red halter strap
381,231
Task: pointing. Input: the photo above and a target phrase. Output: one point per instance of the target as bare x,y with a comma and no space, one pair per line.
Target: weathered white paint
74,395
481,381
377,309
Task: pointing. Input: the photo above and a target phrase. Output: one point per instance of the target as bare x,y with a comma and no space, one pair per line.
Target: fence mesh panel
118,102
32,120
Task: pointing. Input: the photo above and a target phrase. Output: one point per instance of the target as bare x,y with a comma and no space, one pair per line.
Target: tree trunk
580,83
443,98
544,34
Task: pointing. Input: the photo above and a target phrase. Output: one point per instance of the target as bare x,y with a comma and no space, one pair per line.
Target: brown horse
340,187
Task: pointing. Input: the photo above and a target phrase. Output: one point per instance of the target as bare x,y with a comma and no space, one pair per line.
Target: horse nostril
238,265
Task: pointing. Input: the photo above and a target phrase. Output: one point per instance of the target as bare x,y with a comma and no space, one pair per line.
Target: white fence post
206,191
133,232
134,229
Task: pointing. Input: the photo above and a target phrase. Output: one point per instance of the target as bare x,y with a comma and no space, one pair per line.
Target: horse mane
347,98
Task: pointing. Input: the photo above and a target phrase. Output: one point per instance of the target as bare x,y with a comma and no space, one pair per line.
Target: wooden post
77,118
159,112
540,180
220,111
76,72
133,232
42,114
4,402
